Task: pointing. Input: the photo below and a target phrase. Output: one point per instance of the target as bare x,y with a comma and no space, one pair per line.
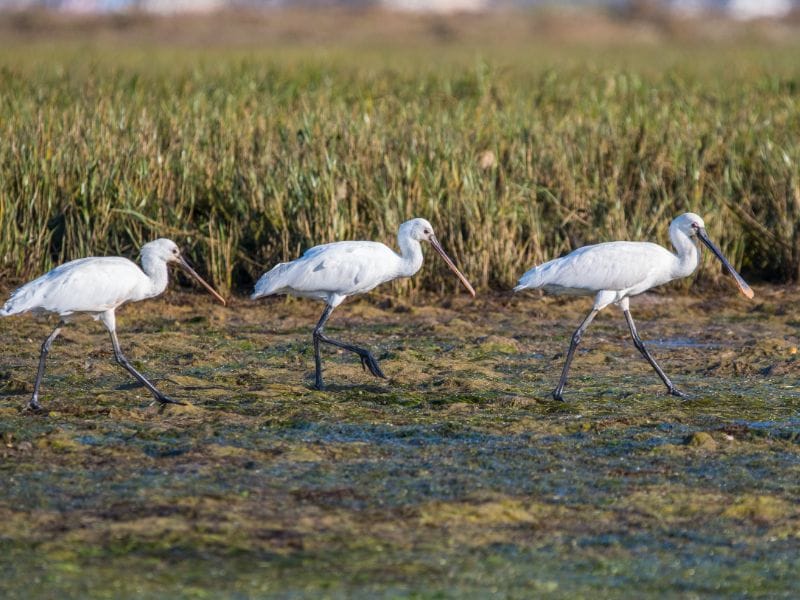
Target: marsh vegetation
517,151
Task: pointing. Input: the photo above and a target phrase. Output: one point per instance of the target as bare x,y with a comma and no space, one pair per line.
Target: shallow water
457,477
681,342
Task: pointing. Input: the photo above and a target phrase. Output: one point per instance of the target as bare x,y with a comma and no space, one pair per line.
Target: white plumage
592,269
332,272
88,285
615,271
97,286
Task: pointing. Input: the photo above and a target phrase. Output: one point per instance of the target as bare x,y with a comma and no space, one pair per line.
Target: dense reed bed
249,157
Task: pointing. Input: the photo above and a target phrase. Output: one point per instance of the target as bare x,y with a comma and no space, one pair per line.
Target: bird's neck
687,253
156,271
410,255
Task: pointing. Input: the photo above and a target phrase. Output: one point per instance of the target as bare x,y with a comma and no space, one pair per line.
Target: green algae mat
456,478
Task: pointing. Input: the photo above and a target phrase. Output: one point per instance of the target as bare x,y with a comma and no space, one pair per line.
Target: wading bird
97,286
615,271
331,272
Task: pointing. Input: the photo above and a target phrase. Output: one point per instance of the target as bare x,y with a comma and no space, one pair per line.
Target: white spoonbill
615,271
331,272
97,286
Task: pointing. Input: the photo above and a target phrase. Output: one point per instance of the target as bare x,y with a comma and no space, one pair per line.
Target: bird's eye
695,226
426,231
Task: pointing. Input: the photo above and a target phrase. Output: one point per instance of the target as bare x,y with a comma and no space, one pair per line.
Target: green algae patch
491,513
15,385
300,454
670,505
702,440
60,442
185,409
498,344
763,356
763,509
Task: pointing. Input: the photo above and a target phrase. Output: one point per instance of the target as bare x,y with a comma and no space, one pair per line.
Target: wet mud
457,477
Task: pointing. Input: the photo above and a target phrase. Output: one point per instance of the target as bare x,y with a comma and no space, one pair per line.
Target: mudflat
457,477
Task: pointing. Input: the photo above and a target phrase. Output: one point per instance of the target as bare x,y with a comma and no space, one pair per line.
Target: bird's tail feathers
530,280
22,300
9,309
269,282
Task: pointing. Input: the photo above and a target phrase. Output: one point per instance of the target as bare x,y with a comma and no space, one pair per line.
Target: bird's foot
162,399
369,362
557,395
33,406
318,384
673,391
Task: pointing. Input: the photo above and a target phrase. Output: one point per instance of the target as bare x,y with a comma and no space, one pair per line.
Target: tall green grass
246,160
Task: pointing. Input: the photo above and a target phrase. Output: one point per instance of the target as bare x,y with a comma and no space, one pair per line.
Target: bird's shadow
359,387
133,385
195,388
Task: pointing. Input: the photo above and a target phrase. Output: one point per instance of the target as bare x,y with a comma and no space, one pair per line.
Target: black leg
576,338
33,404
367,360
141,378
637,341
317,336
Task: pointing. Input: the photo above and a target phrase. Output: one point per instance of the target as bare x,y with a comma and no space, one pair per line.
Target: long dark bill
200,280
438,247
743,287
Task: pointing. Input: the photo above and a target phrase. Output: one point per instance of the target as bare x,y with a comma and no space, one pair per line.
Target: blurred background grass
249,137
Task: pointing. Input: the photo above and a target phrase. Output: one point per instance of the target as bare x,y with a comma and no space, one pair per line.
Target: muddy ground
458,477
